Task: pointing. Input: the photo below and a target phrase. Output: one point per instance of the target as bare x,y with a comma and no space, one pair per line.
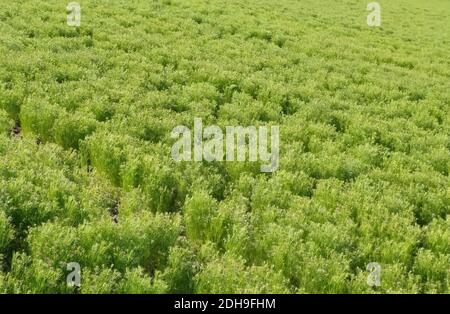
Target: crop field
93,201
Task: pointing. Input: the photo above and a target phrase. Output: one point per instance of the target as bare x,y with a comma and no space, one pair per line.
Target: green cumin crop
86,174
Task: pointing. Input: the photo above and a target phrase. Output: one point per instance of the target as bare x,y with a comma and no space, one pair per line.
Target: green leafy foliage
86,173
5,123
230,275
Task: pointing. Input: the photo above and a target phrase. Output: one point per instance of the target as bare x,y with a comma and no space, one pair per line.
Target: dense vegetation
85,168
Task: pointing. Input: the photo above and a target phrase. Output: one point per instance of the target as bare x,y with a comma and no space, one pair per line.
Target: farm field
87,175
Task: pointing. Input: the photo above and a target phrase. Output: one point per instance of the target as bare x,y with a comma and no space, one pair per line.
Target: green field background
86,173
